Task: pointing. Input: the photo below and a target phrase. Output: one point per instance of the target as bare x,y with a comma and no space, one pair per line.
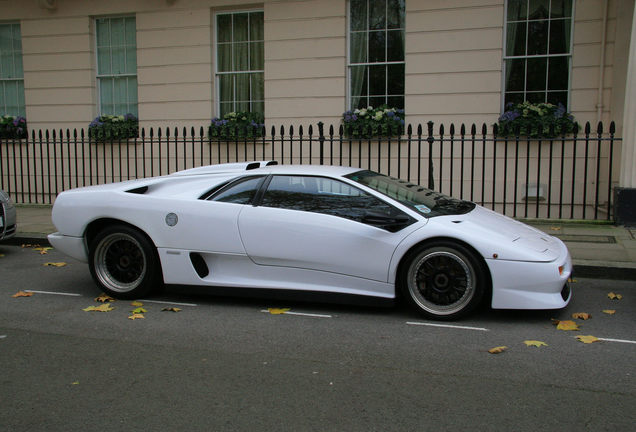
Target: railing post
321,140
431,140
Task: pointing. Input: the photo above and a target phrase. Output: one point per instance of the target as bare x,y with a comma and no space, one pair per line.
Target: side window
240,192
323,195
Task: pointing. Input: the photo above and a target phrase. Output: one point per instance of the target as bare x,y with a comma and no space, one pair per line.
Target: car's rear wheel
124,263
444,280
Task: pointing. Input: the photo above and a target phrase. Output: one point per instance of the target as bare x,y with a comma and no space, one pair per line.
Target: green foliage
235,125
113,127
527,118
13,127
373,122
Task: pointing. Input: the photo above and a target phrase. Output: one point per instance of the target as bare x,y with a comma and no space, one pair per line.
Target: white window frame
386,63
218,74
569,55
99,77
17,80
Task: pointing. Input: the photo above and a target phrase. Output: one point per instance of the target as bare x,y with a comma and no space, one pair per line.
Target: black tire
124,262
443,280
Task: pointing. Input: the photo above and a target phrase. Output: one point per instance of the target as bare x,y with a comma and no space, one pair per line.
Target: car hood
508,238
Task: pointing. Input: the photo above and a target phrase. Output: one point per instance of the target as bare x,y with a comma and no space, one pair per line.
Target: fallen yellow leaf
136,316
136,303
497,350
535,343
138,310
43,250
555,228
614,296
566,325
581,315
588,339
28,245
609,311
171,309
75,383
22,294
277,311
104,298
572,280
101,308
54,264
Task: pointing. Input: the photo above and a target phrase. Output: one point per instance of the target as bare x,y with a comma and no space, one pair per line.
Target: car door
317,223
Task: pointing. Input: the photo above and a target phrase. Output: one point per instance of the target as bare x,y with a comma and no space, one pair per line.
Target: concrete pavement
598,250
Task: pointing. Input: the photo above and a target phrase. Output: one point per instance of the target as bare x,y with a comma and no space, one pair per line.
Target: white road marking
447,326
54,293
168,303
302,314
617,340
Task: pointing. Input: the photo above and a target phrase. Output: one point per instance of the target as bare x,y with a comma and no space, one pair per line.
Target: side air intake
199,264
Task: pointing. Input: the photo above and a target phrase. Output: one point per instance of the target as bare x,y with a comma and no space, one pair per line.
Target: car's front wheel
444,280
123,262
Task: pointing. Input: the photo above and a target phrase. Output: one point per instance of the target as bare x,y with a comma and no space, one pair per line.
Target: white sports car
311,229
8,225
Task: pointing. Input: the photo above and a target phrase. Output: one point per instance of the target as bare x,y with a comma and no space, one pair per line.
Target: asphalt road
223,364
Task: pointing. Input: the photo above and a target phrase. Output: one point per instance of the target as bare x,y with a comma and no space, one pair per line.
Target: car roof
268,167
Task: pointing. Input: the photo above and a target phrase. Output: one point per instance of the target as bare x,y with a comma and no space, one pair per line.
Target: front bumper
8,225
72,246
531,285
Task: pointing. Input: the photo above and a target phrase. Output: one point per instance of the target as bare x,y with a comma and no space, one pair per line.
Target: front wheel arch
486,279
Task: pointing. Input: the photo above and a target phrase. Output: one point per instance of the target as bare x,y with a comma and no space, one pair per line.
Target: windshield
425,201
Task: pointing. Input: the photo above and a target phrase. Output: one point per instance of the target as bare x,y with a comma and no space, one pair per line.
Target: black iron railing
567,177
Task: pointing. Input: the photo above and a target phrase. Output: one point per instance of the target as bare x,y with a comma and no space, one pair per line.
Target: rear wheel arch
95,236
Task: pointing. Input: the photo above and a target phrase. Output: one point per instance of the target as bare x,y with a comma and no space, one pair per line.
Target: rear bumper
532,285
8,226
72,246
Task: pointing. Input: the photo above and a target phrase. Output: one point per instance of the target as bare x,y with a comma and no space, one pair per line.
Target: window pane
395,47
256,26
535,97
258,88
256,56
558,98
561,9
118,60
103,61
539,9
514,98
358,48
537,74
377,46
241,30
517,10
358,14
537,37
226,88
516,39
376,101
106,96
242,88
515,75
241,193
395,14
224,28
103,32
224,57
377,14
558,72
241,59
395,101
225,108
377,80
559,36
396,79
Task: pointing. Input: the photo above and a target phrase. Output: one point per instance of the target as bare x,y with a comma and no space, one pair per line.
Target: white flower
378,115
362,112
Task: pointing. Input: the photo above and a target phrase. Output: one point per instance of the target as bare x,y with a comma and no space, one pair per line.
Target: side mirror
390,223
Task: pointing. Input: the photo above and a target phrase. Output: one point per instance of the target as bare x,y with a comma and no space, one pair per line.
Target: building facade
183,62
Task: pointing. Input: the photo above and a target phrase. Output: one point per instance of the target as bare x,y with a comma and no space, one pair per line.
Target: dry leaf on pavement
278,311
54,264
136,316
614,296
136,303
588,339
22,294
104,298
497,350
581,315
535,343
101,308
609,311
171,309
566,325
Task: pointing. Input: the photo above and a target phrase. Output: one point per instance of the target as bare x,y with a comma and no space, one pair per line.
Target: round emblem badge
171,219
